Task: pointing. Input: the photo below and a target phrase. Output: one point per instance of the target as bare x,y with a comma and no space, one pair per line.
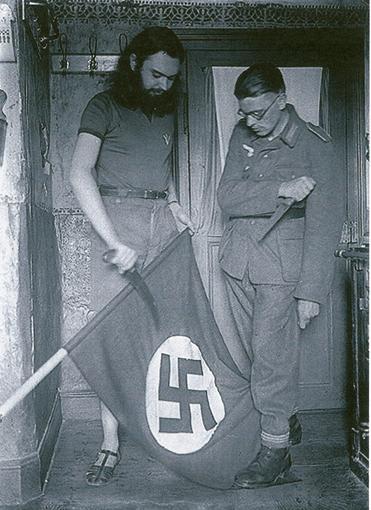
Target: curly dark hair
126,85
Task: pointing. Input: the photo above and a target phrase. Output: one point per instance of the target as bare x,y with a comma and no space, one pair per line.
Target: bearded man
121,177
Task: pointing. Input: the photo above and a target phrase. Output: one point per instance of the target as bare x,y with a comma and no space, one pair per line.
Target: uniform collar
291,131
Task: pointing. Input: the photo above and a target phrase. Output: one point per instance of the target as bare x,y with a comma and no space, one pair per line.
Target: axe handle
276,216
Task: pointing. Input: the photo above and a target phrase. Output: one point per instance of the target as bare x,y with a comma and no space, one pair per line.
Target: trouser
265,321
146,226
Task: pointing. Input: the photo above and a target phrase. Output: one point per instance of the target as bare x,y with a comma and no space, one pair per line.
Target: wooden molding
82,405
20,479
214,15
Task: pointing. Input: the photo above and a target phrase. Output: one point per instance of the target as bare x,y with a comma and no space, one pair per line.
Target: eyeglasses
257,116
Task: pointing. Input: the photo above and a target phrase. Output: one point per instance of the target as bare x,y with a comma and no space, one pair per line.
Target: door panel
323,361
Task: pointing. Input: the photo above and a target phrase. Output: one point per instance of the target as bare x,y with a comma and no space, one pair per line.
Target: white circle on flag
185,424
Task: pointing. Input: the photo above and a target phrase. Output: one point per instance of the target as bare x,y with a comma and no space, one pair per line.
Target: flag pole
32,382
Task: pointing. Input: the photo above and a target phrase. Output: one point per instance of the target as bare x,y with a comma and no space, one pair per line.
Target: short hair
125,83
259,79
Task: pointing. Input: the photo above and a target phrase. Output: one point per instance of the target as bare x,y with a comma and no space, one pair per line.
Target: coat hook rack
80,64
92,63
39,16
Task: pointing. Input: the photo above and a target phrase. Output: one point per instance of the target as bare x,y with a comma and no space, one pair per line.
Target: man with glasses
277,265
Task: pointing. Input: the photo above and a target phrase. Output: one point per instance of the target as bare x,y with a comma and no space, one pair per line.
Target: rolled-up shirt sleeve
239,195
96,117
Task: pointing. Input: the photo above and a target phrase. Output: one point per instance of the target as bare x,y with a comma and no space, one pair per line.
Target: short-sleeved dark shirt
135,151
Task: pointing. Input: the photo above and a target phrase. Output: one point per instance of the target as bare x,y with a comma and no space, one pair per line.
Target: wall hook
63,63
121,38
92,62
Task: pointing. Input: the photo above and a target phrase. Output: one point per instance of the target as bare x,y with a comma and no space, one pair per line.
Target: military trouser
265,319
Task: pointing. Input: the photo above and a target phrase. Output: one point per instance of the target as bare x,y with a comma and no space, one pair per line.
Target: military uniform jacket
298,250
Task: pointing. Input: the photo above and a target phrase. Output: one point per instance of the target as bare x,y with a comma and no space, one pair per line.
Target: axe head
139,285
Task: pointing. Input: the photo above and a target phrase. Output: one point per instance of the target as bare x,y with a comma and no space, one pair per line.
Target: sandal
99,474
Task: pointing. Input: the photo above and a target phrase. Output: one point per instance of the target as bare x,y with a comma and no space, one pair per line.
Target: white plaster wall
13,186
15,337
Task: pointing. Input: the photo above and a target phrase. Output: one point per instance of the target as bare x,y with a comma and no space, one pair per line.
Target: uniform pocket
287,173
291,255
290,244
292,229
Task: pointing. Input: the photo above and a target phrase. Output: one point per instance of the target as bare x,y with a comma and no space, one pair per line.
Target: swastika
184,396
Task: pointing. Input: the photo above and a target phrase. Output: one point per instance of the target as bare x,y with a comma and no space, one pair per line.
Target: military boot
296,431
268,467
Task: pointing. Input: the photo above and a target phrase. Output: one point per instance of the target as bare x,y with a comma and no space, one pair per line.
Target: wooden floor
321,462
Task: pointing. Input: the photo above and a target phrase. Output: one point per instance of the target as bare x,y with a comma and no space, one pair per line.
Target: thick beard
157,104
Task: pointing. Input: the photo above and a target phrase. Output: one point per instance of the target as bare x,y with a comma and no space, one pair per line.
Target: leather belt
292,213
113,191
298,212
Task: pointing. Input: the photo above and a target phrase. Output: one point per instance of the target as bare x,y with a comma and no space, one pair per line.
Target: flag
174,387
